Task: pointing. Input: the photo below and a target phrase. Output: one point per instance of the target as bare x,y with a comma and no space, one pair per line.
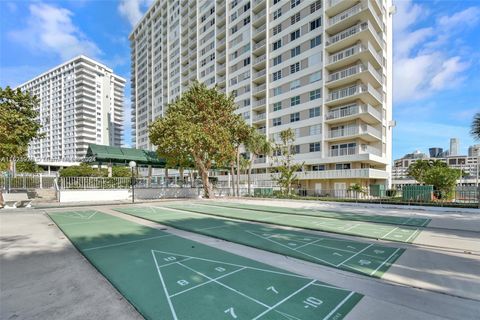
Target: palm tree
475,129
257,145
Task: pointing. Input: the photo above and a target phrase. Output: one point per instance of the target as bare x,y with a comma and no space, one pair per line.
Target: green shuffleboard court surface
364,258
405,221
348,227
168,277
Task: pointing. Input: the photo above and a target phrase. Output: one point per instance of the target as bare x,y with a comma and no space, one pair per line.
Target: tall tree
419,168
199,125
257,145
286,167
443,179
475,129
18,123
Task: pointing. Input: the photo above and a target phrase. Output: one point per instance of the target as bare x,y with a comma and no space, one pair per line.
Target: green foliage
28,166
120,172
83,170
356,188
287,170
201,126
443,179
418,169
257,144
475,128
18,124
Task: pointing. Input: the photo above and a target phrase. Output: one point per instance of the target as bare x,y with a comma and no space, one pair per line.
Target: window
314,112
317,76
277,14
234,29
315,94
294,84
277,29
277,75
319,167
277,106
315,147
295,51
277,91
294,117
342,166
277,44
246,7
276,1
316,41
246,61
277,121
315,6
294,101
277,60
295,18
246,102
315,129
295,35
294,3
315,24
246,21
295,67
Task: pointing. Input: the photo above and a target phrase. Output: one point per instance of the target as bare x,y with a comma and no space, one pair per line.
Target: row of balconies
361,11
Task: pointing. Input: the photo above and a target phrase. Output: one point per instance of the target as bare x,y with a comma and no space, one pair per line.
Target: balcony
366,92
259,103
260,160
259,46
362,11
259,33
259,90
262,131
352,151
259,18
363,131
259,117
364,72
363,31
353,111
363,52
258,5
259,76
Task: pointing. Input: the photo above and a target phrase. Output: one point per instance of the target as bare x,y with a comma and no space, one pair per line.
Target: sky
436,54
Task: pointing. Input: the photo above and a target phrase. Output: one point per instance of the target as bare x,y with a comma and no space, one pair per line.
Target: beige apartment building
322,68
81,102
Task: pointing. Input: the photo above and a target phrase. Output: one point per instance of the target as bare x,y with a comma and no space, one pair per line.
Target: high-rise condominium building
81,102
322,68
454,146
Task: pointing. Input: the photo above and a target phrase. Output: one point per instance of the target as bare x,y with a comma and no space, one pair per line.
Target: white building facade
81,102
322,68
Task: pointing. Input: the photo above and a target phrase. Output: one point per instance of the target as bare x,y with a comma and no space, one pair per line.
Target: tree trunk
203,170
249,177
238,171
232,173
180,171
166,177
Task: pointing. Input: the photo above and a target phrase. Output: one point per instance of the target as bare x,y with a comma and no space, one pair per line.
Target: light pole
132,165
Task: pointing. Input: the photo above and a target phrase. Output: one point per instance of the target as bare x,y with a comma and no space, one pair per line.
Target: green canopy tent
99,154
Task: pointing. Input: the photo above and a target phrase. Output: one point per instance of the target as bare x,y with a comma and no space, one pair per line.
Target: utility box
377,190
417,193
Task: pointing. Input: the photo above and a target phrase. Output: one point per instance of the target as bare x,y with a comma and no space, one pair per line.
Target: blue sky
436,57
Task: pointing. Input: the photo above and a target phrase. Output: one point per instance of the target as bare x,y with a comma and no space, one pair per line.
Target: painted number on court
182,282
170,259
231,312
272,288
220,269
312,302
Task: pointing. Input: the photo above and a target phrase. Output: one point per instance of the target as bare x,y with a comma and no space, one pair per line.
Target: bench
16,200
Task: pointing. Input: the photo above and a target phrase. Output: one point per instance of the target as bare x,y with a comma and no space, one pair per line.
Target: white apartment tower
322,68
81,102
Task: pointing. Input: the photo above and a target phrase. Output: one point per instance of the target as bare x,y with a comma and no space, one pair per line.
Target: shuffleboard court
404,221
168,277
348,227
364,258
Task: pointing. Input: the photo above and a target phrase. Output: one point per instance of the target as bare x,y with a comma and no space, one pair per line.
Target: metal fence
26,182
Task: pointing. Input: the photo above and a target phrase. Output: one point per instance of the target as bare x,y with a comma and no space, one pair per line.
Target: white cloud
423,63
51,29
132,10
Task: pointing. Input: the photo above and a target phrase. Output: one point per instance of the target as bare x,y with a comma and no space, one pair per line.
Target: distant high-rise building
474,151
321,68
81,102
454,146
435,152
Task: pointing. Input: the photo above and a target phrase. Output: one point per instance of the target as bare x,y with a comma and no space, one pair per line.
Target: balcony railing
259,45
259,74
262,130
260,59
260,160
350,71
260,102
345,14
260,14
353,31
260,116
354,130
363,149
353,90
259,88
352,109
259,29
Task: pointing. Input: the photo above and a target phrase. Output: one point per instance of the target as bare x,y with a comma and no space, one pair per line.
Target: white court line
286,315
280,244
236,265
83,222
210,281
394,252
169,264
338,306
418,230
165,288
356,254
425,223
126,242
283,300
330,287
408,220
349,228
306,244
224,285
208,228
389,233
